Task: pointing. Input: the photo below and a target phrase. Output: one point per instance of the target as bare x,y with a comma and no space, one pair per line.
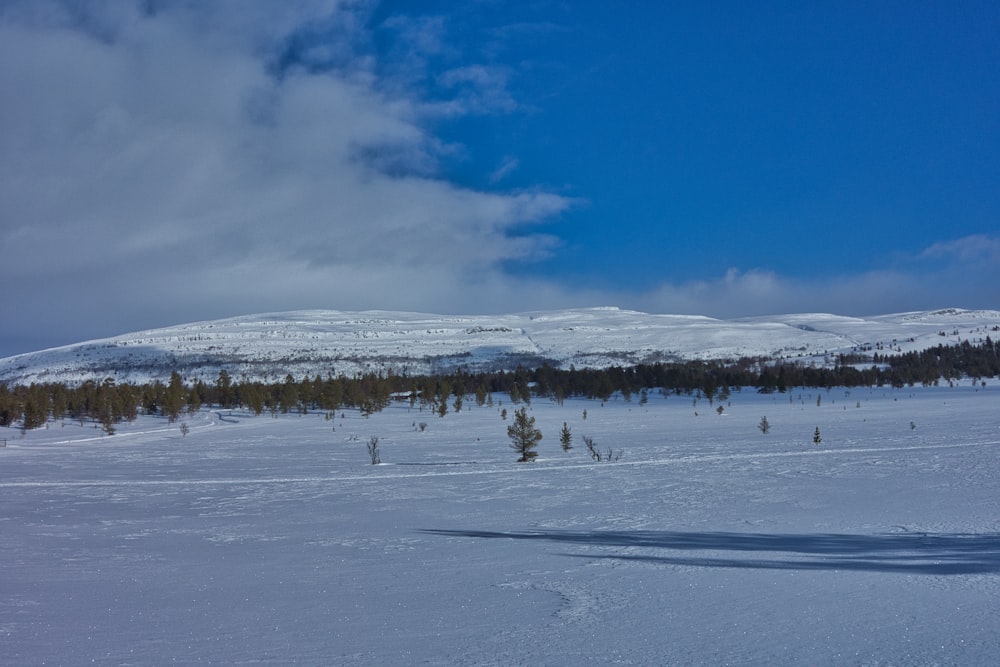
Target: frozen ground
273,541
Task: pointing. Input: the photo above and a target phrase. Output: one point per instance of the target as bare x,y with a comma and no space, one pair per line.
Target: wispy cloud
478,89
508,166
741,293
974,248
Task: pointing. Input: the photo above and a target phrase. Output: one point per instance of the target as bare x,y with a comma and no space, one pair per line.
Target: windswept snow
272,540
267,347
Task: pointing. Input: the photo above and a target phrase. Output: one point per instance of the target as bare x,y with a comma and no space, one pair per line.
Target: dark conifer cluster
108,403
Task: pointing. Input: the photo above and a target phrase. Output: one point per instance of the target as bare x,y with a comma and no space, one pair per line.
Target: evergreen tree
224,387
566,438
764,425
173,398
36,408
10,410
253,395
288,394
524,436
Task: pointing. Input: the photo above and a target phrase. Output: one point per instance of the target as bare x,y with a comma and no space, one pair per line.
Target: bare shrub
599,456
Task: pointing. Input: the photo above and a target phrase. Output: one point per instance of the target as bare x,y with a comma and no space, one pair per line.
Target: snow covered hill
267,347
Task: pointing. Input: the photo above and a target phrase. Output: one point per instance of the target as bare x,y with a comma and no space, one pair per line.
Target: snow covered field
274,541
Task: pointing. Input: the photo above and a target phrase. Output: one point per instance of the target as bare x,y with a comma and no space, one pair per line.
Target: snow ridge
268,346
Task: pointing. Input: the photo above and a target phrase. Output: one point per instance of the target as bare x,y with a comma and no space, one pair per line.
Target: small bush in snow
764,425
598,455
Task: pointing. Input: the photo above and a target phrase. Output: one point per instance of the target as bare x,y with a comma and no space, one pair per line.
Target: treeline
108,403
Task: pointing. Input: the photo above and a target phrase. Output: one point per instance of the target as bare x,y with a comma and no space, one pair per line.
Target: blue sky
168,162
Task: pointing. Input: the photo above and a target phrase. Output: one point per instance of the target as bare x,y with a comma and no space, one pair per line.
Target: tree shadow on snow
906,553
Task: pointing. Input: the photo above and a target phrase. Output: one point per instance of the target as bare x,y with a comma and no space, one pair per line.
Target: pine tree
36,408
764,425
566,438
224,386
816,437
173,399
524,436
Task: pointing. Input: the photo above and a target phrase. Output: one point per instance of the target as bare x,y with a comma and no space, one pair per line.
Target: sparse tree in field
816,437
185,429
373,453
524,436
566,438
719,410
764,425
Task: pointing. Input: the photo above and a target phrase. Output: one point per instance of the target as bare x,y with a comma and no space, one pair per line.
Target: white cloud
757,292
974,248
167,166
157,158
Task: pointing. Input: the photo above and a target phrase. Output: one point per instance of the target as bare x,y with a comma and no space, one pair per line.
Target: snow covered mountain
269,346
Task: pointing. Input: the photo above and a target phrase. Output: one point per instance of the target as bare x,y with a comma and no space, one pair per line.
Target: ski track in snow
536,468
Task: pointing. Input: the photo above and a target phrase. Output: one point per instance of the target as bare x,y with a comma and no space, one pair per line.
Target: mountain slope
267,347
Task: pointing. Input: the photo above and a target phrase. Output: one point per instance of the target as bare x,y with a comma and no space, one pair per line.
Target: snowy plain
263,540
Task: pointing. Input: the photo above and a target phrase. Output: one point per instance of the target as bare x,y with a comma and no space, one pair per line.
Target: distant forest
108,403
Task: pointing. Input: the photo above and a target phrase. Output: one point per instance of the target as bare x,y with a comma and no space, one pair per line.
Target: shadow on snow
907,553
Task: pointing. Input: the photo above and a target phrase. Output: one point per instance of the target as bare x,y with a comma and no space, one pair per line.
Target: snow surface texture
274,541
267,347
